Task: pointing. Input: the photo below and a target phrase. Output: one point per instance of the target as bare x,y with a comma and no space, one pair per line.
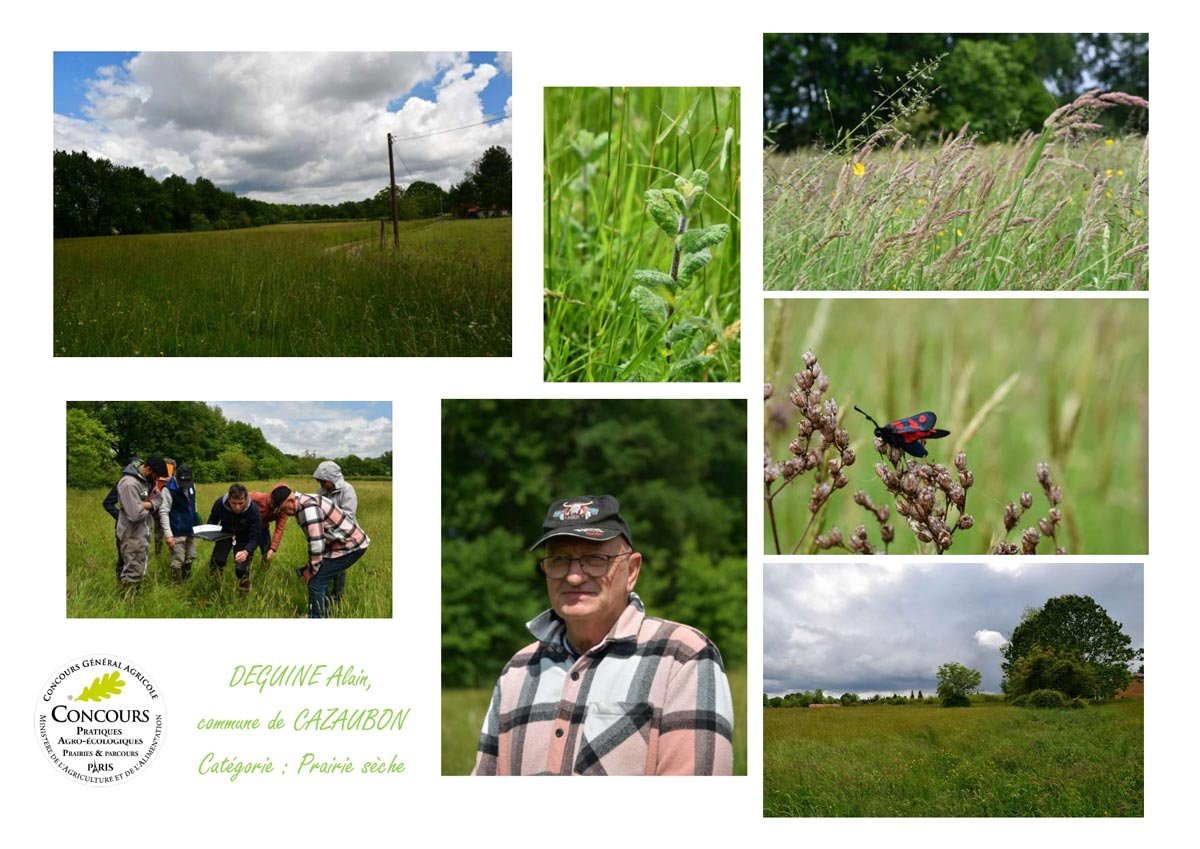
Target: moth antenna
864,412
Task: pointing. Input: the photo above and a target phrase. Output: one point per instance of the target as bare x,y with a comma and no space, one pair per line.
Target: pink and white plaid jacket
650,699
329,531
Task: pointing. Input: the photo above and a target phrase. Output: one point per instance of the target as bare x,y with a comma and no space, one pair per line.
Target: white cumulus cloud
288,127
990,639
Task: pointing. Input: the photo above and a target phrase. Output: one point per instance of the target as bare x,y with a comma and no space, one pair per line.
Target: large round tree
1075,626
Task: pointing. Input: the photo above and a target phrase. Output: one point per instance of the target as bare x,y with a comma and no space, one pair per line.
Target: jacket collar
548,626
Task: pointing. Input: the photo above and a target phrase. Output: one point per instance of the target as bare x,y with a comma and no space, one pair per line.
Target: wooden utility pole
395,219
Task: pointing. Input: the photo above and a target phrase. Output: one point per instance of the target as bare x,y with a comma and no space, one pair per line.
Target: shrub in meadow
1045,699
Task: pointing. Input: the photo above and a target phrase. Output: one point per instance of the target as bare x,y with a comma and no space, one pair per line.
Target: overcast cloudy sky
886,628
328,428
285,127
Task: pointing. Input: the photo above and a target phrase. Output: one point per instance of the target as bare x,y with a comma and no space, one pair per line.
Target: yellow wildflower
1108,172
941,233
897,210
1108,194
1120,172
958,230
921,201
859,169
1108,142
1138,213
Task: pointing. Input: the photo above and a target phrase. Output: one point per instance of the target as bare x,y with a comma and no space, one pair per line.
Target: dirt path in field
357,247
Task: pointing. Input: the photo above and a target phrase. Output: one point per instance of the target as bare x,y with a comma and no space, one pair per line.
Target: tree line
678,469
818,86
94,197
103,436
1065,652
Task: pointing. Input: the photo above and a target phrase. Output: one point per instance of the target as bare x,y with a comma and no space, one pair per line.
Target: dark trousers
220,556
320,586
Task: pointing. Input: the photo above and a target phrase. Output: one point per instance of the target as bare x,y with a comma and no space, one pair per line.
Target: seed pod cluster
1046,527
925,495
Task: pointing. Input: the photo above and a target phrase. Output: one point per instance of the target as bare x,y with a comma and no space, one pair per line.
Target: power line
491,120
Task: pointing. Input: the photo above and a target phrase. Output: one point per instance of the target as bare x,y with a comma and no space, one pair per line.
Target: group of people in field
156,499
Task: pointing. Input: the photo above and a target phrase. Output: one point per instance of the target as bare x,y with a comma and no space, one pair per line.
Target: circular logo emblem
99,719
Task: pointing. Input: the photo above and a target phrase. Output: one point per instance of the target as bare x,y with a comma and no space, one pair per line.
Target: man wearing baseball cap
137,500
605,689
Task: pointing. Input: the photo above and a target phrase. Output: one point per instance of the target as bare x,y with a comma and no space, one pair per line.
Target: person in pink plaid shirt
605,689
335,543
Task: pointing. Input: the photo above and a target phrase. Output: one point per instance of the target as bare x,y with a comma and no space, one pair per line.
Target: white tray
212,533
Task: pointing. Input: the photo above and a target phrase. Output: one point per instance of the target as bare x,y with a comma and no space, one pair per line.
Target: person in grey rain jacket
137,502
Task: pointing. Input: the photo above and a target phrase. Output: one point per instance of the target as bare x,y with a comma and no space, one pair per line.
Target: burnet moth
909,433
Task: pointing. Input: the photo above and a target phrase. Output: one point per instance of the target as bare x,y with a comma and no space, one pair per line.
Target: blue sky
326,428
494,96
288,128
71,74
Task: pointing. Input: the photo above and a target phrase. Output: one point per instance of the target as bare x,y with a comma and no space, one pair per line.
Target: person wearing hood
177,516
238,516
273,506
111,506
341,492
336,488
137,499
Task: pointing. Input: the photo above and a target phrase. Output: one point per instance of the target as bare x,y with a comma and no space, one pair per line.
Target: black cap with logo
594,517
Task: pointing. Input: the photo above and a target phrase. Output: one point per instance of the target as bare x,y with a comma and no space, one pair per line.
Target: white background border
617,42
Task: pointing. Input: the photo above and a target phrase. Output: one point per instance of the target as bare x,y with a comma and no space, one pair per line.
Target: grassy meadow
1017,382
463,711
989,760
289,290
275,592
1072,215
604,148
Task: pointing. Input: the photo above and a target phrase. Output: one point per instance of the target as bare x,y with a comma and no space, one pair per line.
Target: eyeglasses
593,565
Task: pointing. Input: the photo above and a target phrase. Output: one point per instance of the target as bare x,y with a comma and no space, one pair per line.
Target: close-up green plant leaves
642,269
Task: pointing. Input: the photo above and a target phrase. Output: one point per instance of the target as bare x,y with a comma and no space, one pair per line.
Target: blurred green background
1078,401
604,147
678,469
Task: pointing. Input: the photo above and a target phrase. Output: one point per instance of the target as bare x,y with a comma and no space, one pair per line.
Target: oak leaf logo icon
104,687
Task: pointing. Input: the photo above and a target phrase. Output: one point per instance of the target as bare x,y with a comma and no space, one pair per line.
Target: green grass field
288,290
604,147
1016,382
92,589
960,216
463,712
928,761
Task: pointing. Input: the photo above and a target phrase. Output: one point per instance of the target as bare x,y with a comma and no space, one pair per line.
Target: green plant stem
771,514
1034,158
675,257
